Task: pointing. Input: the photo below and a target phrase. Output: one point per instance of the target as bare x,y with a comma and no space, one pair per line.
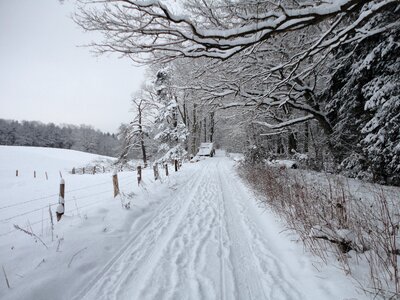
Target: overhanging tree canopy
221,29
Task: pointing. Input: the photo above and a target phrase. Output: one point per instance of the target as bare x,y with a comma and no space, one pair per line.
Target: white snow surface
197,234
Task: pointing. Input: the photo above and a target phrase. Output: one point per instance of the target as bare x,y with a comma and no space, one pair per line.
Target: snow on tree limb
286,123
135,28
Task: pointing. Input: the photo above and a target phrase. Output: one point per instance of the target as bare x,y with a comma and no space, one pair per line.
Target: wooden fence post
16,173
115,183
73,171
47,177
166,169
61,201
94,170
176,165
34,174
139,174
83,170
155,170
104,169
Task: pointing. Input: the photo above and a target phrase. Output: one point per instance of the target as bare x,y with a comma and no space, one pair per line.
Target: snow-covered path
209,240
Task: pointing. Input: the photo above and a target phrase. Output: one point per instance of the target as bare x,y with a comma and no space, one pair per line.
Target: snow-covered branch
152,27
286,123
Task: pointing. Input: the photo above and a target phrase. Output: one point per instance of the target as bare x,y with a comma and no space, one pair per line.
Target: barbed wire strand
52,204
67,191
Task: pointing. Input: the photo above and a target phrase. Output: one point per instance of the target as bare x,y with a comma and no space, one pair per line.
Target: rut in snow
203,242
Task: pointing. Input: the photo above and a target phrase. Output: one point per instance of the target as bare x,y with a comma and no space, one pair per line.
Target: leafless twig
73,256
5,276
31,234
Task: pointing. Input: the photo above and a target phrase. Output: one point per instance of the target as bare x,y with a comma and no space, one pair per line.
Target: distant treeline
34,133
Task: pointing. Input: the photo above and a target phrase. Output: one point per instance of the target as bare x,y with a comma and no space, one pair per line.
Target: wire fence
69,191
124,183
28,201
48,207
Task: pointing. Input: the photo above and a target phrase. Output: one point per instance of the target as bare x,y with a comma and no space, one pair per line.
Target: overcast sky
45,76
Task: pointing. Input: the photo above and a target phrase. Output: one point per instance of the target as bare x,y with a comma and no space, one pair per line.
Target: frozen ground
197,234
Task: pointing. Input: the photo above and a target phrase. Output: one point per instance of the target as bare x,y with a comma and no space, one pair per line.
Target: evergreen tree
364,105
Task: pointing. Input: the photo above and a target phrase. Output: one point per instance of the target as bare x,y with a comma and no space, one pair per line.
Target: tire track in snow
278,282
220,249
186,258
228,281
103,283
247,283
131,283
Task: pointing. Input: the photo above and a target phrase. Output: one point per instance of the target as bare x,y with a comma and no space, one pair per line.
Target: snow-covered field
197,234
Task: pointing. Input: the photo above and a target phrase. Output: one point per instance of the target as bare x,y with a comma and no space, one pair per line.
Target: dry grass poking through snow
357,223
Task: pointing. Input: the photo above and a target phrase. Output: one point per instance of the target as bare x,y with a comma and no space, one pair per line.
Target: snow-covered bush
171,131
354,166
174,153
255,154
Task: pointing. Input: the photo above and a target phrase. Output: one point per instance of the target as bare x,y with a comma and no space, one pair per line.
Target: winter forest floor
198,234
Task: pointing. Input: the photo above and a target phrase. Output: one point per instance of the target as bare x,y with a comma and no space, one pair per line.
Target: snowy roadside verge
95,225
348,224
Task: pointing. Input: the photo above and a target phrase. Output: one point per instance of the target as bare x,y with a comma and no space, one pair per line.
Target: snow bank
94,227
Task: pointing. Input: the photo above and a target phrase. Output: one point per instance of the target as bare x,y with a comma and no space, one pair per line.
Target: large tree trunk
175,116
280,149
319,158
205,130
306,137
292,143
141,135
212,123
143,152
194,129
199,132
186,122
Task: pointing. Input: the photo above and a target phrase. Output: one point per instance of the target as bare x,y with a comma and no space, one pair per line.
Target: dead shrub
332,217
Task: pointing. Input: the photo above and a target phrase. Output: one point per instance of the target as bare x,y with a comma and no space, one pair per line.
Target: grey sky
44,75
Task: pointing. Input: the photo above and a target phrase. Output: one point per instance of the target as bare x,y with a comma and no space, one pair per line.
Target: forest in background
33,133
